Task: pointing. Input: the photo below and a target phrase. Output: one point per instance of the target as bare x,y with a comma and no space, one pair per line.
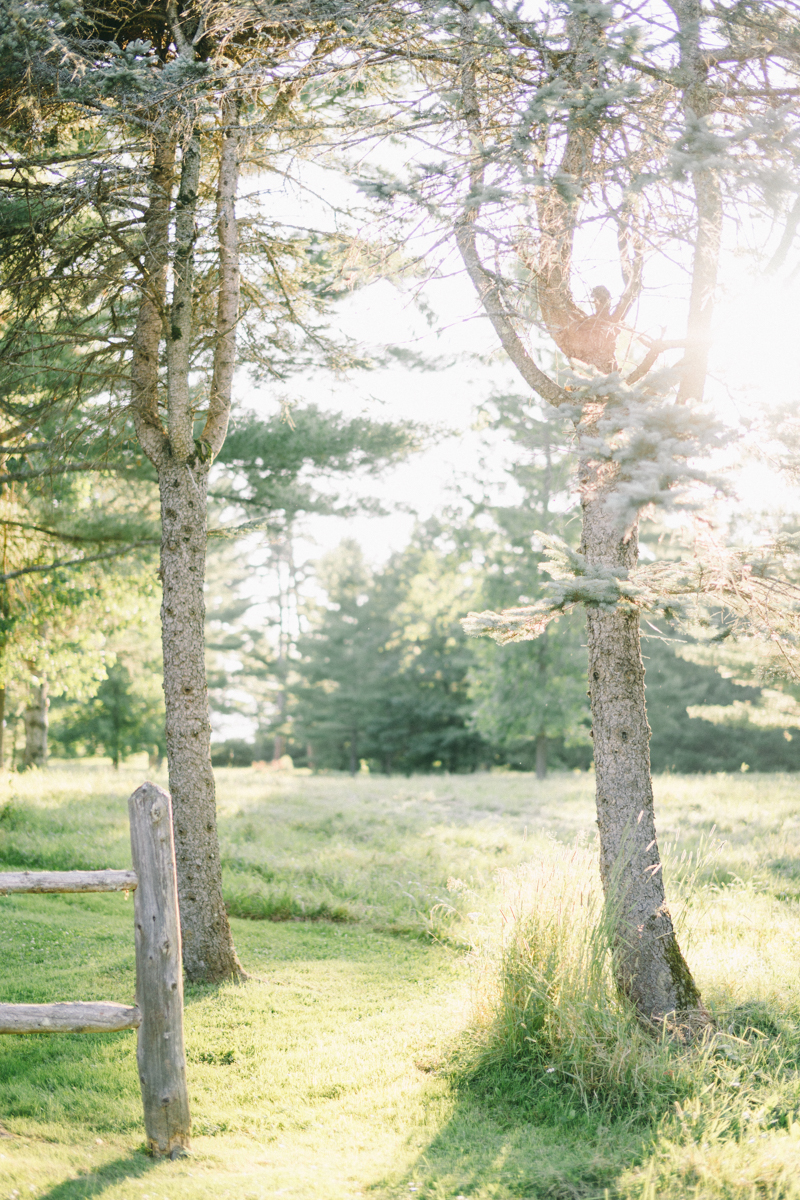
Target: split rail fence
158,1012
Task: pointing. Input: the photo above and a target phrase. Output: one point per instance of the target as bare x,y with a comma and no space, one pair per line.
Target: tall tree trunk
279,745
208,950
36,719
2,728
649,967
541,756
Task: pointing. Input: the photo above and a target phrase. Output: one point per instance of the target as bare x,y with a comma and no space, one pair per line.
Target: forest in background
344,666
334,661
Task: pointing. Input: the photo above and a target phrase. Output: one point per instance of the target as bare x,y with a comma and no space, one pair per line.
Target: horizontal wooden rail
67,881
72,1016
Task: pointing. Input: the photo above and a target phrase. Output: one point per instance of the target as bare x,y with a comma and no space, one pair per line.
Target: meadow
417,1018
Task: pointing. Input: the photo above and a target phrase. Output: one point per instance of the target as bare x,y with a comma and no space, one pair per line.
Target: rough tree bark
36,718
182,464
208,951
649,967
541,756
648,964
2,728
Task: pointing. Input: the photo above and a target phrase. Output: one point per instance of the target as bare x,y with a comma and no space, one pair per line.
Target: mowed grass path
325,1075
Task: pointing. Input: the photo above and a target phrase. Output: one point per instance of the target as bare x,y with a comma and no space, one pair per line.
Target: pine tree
342,662
120,719
154,114
530,692
385,665
576,119
65,590
277,472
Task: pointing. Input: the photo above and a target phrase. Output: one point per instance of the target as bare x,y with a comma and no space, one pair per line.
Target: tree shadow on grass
133,1166
494,1149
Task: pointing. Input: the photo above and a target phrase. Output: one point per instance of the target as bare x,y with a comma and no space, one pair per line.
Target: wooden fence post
159,973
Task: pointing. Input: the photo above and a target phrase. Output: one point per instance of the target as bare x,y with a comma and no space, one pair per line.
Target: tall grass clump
245,899
548,1025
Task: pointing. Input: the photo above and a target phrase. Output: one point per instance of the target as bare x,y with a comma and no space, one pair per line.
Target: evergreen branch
70,538
259,525
293,313
52,160
750,587
62,563
66,468
485,285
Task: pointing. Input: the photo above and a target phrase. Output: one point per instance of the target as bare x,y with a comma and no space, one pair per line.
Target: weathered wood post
159,976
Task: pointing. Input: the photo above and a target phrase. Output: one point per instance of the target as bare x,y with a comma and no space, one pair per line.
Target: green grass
361,1058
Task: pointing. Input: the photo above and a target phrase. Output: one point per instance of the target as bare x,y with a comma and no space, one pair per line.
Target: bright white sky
756,362
447,398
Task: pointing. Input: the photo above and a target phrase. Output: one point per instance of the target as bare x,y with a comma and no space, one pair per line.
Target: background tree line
370,665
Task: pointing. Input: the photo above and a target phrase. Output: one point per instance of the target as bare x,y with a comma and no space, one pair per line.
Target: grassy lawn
334,1072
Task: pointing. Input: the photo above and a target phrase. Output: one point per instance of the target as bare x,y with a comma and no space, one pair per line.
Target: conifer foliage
652,131
382,674
130,126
